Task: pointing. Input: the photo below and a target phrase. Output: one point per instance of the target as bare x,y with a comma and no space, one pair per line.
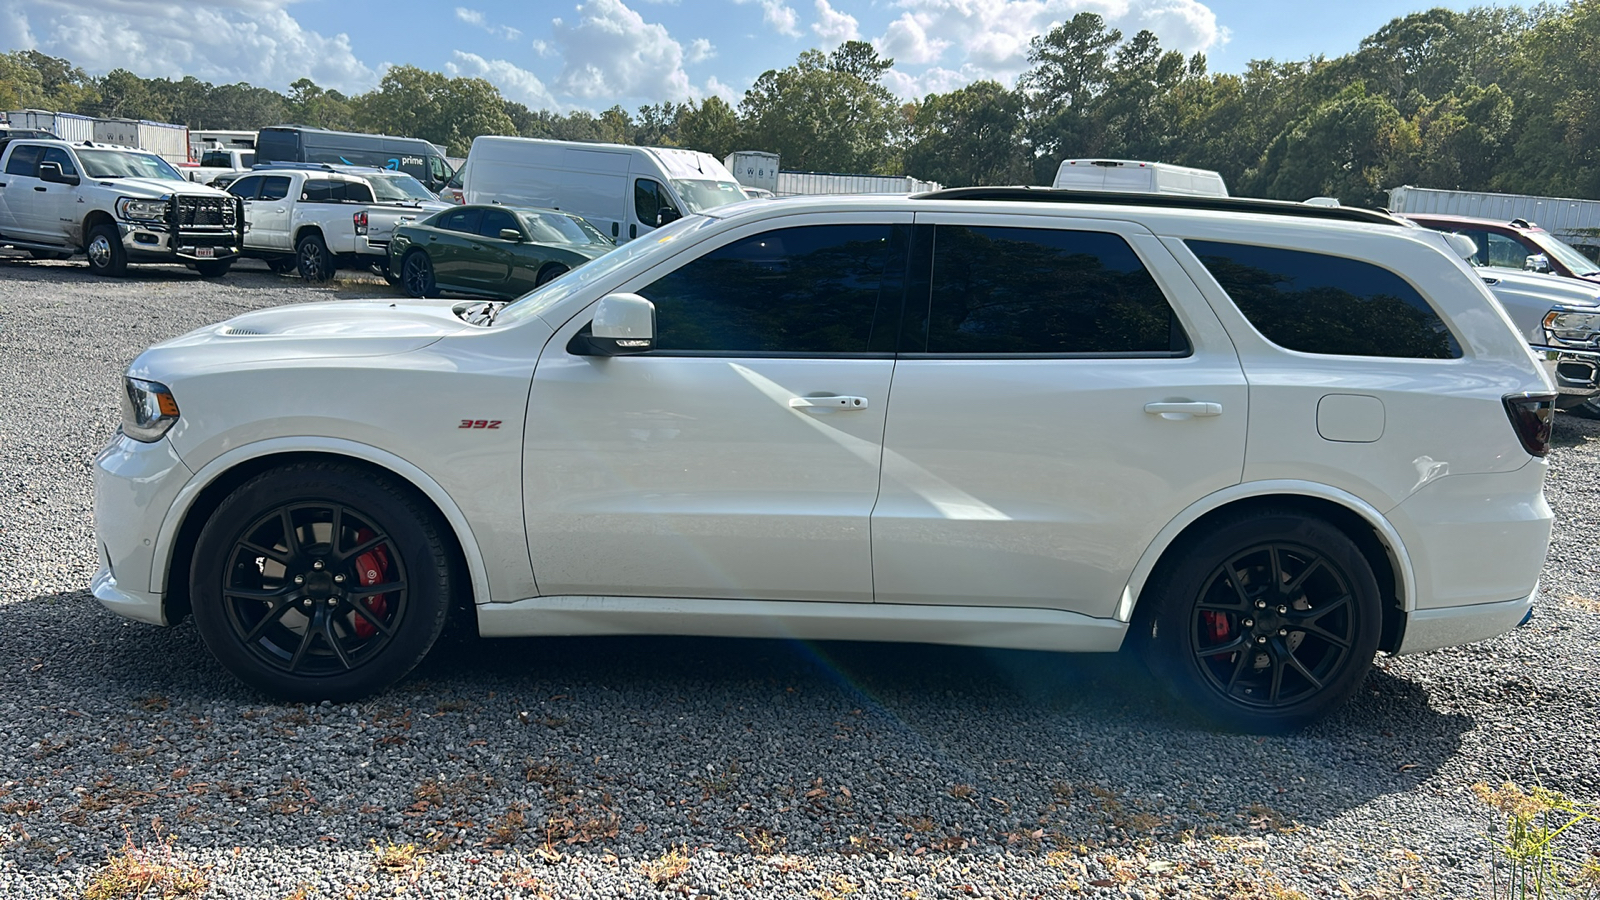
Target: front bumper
135,484
144,242
1575,373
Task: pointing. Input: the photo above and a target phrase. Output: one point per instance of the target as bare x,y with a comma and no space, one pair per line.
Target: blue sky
592,54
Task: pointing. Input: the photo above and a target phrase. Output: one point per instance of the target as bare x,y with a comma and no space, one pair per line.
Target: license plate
204,252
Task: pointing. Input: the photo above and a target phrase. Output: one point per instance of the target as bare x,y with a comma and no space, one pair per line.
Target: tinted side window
460,220
494,220
61,158
24,161
275,187
1317,303
1045,291
246,187
814,289
316,190
649,198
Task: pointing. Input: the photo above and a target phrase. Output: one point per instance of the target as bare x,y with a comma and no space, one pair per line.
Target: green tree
1347,147
820,114
414,102
969,136
1071,69
712,127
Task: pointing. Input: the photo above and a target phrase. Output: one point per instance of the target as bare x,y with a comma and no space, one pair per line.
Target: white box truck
66,126
622,190
792,184
1136,176
754,169
168,141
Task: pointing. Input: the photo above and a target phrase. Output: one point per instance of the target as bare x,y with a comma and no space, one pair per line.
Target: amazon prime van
624,191
1133,176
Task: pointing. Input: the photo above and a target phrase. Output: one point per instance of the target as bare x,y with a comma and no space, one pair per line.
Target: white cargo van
1138,177
623,191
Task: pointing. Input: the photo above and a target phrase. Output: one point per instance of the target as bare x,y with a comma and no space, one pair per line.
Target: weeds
667,867
398,859
1533,821
148,871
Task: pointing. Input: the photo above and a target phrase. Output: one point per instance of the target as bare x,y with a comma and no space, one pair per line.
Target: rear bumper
1430,629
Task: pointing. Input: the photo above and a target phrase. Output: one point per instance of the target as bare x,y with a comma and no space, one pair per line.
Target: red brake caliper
372,567
1215,625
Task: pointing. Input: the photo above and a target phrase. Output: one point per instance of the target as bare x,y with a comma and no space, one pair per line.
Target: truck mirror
1536,262
51,172
667,214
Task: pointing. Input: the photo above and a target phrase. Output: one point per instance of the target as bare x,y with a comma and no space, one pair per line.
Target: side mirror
667,214
51,172
1465,247
623,324
510,234
1537,262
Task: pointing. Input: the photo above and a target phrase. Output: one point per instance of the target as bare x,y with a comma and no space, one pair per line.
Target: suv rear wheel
1264,624
320,581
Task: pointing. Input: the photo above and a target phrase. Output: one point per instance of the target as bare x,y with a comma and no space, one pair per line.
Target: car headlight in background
148,409
1572,327
142,210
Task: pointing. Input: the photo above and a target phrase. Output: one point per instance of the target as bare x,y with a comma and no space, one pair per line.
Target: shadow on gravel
249,275
638,744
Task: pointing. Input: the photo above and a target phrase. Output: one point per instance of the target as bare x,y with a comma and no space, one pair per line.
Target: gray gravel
583,767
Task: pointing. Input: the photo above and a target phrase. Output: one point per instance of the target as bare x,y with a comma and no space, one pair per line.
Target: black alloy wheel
416,275
315,262
1268,622
320,581
549,273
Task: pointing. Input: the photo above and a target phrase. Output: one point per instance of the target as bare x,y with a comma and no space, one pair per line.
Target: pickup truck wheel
213,268
321,581
105,253
314,260
282,265
1264,624
416,275
48,254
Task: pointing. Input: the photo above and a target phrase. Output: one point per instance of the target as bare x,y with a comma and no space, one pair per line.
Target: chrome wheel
99,252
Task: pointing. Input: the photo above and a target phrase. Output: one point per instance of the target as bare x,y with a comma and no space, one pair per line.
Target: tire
549,273
416,275
282,265
1314,611
341,530
213,268
1588,409
105,253
47,255
313,259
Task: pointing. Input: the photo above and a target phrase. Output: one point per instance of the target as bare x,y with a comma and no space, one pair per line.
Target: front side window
1043,291
61,158
1317,303
246,188
275,187
495,219
1496,250
649,199
808,290
24,161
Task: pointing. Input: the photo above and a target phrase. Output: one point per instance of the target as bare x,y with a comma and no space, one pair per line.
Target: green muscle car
493,251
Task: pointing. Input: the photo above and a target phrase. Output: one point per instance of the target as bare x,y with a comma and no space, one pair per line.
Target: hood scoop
236,330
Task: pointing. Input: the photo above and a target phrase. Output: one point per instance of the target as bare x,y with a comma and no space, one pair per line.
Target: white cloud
834,27
221,41
979,39
779,17
612,53
715,87
701,50
514,83
475,17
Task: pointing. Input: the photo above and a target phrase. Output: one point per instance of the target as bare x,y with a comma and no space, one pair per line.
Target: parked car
1516,244
1257,441
493,251
1560,318
115,205
320,218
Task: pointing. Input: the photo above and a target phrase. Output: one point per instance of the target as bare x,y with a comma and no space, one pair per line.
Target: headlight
1572,327
142,210
148,409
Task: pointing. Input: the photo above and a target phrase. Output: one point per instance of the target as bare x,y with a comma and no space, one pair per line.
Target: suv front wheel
320,581
1264,624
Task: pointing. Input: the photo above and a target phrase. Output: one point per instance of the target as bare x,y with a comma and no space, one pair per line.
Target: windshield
1568,256
398,186
122,164
543,298
551,229
700,196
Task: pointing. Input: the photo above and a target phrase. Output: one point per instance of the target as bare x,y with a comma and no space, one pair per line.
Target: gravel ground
682,767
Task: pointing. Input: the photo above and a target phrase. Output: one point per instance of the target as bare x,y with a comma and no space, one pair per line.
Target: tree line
1492,98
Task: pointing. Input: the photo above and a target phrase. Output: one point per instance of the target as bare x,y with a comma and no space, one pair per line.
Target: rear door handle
1181,408
834,402
40,189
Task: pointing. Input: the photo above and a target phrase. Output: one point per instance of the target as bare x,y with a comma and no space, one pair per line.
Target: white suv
1258,441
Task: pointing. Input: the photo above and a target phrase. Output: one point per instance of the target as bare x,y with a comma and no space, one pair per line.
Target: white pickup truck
320,219
116,205
219,161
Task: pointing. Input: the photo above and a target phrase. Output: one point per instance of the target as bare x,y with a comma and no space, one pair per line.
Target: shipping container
791,184
67,126
754,168
170,142
1574,221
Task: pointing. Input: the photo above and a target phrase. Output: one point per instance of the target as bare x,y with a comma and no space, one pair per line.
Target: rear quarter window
1318,303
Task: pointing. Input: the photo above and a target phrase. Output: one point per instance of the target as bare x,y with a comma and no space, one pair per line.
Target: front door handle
1183,408
41,190
832,402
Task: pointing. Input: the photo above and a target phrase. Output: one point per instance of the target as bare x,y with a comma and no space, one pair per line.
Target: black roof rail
1165,201
324,167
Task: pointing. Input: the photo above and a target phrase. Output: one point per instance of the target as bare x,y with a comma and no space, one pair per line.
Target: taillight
361,222
1531,418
